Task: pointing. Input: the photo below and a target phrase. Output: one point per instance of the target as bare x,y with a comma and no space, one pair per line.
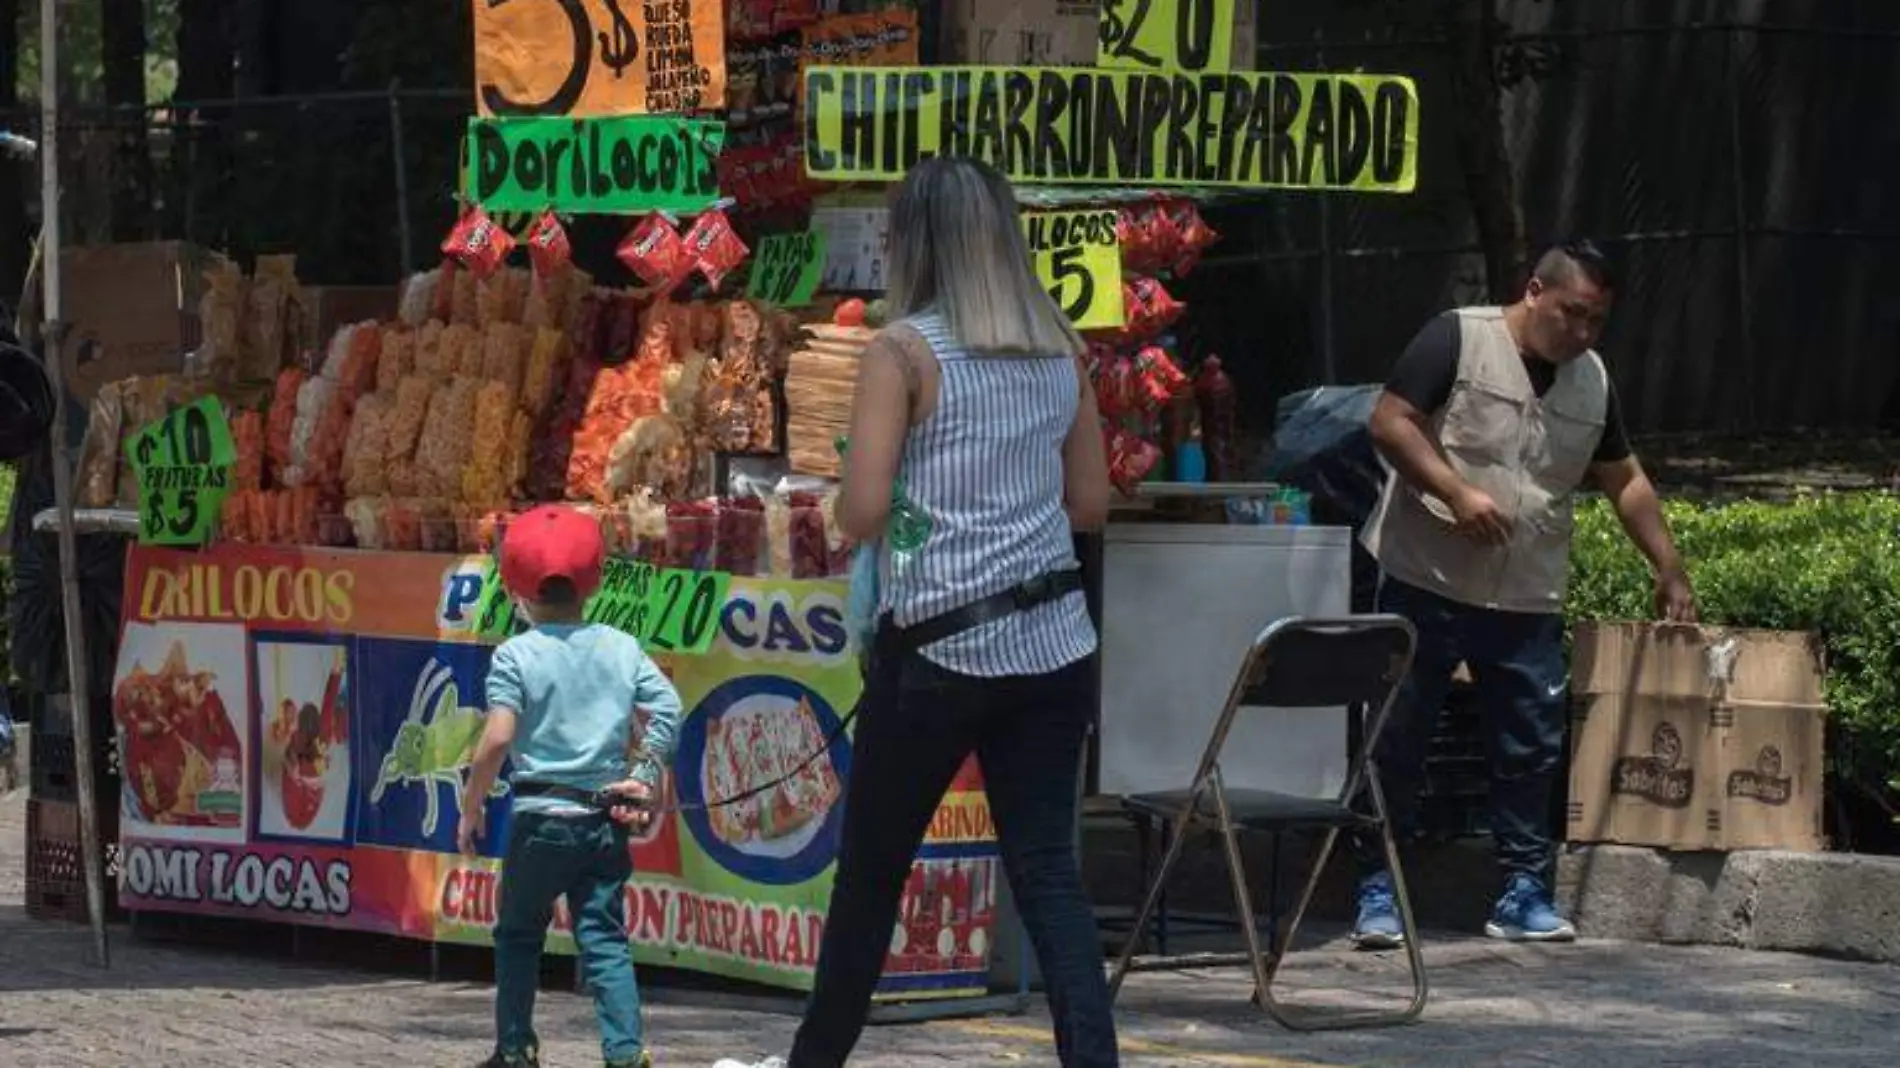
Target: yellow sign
1077,125
1079,259
1167,35
598,57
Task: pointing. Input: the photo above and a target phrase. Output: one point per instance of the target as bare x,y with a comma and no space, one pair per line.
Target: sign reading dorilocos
627,165
598,57
1057,126
1078,257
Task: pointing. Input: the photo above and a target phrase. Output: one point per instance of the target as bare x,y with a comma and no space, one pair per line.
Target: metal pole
403,237
1743,288
53,344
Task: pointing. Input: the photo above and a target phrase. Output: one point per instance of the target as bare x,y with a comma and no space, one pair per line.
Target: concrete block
1838,904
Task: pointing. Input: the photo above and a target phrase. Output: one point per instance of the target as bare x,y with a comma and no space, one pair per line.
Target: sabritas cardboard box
1696,738
1048,33
133,310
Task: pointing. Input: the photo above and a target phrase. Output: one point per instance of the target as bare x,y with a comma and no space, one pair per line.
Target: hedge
1828,563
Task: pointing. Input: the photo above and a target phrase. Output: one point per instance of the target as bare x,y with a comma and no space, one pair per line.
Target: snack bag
655,253
714,247
548,249
478,243
1130,458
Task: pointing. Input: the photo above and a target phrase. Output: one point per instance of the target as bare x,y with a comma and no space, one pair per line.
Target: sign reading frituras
626,165
1078,257
1057,126
598,57
1185,35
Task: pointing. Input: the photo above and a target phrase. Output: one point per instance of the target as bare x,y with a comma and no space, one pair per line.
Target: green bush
1829,564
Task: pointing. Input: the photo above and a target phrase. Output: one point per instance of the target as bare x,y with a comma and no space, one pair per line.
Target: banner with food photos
295,727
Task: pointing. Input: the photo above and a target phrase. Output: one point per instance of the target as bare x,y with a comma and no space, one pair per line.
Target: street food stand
312,603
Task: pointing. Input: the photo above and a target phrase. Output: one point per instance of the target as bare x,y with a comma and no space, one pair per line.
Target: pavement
1592,1004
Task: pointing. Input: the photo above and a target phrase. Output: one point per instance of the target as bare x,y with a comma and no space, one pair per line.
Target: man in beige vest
1490,422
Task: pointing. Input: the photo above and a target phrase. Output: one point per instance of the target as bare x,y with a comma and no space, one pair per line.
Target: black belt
598,800
1018,598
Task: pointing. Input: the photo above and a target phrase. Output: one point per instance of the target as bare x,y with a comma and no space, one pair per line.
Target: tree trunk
201,153
123,46
1478,115
15,175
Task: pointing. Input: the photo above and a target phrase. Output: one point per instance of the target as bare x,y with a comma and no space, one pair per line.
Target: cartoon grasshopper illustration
433,746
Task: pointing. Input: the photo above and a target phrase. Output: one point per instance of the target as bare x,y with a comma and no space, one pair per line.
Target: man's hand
636,815
1675,601
473,826
1478,517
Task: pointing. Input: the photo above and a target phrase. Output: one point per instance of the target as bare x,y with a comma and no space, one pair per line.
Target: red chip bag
1130,458
1155,362
714,247
478,243
1117,385
1159,308
1196,237
655,252
1136,320
547,245
1133,238
1163,237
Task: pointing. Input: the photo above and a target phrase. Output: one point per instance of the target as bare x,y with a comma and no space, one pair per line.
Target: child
561,701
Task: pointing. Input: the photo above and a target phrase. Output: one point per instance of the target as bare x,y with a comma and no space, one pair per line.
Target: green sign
613,165
183,464
787,268
671,610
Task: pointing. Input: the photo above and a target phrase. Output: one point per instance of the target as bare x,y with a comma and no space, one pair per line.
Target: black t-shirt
1428,368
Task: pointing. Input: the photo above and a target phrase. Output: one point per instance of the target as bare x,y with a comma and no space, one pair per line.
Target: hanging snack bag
478,243
548,248
713,246
654,252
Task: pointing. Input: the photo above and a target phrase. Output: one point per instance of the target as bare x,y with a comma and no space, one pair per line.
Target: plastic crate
55,880
53,775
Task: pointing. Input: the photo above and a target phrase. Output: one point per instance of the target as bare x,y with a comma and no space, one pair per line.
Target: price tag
684,610
183,464
621,602
1079,259
1173,35
787,268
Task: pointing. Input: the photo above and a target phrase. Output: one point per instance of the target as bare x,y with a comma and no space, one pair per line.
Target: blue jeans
585,859
918,725
1517,665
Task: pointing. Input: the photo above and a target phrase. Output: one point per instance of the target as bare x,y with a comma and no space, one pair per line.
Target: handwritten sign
671,610
628,165
183,464
598,57
1065,126
1167,35
1079,259
787,268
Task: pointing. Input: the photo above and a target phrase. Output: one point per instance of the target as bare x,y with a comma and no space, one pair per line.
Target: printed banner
1078,256
1167,35
598,57
1056,126
618,166
297,725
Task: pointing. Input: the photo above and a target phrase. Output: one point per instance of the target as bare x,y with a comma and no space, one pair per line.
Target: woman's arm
1085,487
880,418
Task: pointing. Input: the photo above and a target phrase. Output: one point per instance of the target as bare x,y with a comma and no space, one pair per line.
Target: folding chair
1296,663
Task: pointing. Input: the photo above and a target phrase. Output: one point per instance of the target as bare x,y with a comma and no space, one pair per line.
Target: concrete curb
1834,904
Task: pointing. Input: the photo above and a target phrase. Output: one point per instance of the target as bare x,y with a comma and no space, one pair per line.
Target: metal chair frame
1362,774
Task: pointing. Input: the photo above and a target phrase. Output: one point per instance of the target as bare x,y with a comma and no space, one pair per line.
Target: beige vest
1528,453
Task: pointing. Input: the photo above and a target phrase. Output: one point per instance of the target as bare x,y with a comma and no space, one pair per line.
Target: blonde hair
956,247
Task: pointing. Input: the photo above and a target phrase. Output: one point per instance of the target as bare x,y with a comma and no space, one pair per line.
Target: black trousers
918,724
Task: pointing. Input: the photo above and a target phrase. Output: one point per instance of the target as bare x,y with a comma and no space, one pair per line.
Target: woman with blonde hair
973,412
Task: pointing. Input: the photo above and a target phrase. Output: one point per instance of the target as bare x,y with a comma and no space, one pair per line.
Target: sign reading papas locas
618,166
598,57
1054,126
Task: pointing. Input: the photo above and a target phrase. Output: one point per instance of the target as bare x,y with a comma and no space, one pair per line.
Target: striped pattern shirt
986,467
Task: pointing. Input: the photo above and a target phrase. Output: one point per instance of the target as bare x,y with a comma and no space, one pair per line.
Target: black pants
919,723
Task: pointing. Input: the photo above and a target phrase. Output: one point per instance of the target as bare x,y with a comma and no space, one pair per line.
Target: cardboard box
1048,33
133,310
1696,738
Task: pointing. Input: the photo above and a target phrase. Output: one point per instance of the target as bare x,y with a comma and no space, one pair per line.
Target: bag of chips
548,248
713,246
478,243
1130,458
655,253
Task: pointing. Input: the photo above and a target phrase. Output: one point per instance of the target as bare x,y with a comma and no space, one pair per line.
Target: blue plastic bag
860,605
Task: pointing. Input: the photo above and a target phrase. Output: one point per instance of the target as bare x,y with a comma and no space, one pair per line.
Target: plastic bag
861,597
1322,444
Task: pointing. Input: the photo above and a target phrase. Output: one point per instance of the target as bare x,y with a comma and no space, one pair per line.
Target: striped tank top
986,467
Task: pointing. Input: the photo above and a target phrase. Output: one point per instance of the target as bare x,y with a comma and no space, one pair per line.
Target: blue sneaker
1525,914
1378,926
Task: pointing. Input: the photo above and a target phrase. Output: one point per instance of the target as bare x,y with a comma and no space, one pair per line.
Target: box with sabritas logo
1696,738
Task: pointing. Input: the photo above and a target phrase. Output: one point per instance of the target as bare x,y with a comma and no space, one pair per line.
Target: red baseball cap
552,541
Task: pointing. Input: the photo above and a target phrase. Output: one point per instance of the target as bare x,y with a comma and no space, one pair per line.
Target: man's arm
1421,383
1640,511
